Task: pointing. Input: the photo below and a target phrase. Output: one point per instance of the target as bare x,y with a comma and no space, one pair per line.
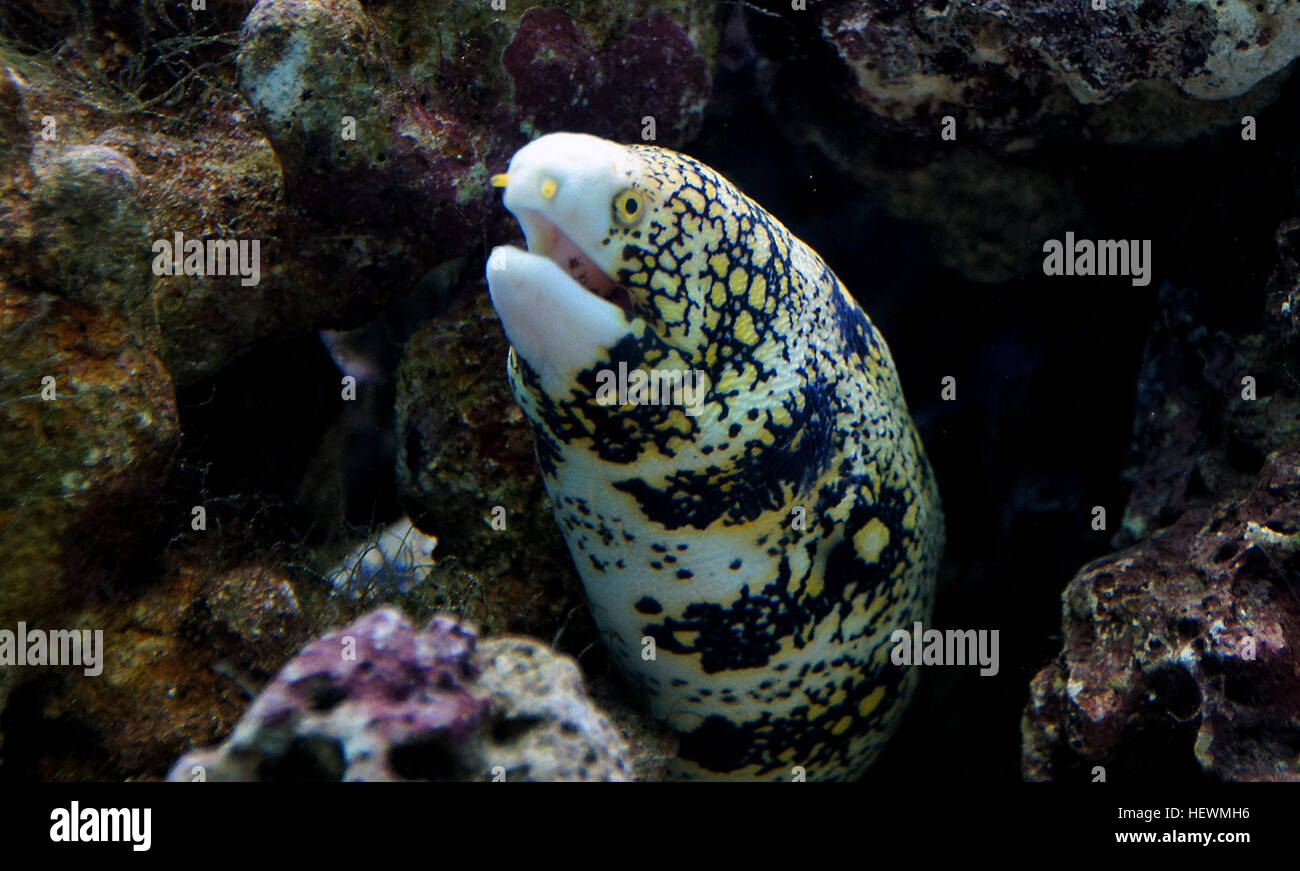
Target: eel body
754,515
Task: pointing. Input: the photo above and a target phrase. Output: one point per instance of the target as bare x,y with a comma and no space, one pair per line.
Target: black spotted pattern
803,415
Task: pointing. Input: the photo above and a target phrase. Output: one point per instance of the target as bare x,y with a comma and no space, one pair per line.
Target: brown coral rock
88,427
1182,650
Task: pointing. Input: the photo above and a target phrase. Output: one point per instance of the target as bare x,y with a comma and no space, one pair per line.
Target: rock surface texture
379,700
466,462
1014,78
1182,650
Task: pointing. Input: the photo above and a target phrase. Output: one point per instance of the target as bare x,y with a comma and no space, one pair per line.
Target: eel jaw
546,238
556,324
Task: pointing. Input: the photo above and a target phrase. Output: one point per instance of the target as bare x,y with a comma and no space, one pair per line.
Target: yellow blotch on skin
738,379
738,281
732,225
757,292
712,315
719,264
693,198
745,331
871,702
871,540
814,584
909,519
842,726
873,477
679,423
671,311
667,283
799,562
718,294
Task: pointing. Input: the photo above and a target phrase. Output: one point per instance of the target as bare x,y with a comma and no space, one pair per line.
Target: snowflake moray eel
746,564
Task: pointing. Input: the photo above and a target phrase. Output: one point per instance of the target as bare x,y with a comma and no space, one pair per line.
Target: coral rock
1182,650
181,658
464,451
304,66
539,710
378,700
94,243
1011,72
84,453
563,81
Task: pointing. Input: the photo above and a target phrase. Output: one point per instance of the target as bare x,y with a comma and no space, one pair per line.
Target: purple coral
378,700
366,702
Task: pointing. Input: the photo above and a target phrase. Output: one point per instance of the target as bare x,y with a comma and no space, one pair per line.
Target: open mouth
548,240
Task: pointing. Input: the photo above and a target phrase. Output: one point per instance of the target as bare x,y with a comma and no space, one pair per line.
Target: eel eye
628,207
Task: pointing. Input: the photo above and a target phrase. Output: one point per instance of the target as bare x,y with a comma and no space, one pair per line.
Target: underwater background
202,482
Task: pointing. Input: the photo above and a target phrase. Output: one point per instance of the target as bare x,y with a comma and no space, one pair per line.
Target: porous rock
940,104
379,700
1014,74
1180,654
181,657
467,466
88,428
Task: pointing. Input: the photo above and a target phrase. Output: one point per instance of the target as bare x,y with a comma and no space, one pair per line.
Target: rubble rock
1182,651
93,242
1021,85
88,428
378,700
181,657
466,464
1013,74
